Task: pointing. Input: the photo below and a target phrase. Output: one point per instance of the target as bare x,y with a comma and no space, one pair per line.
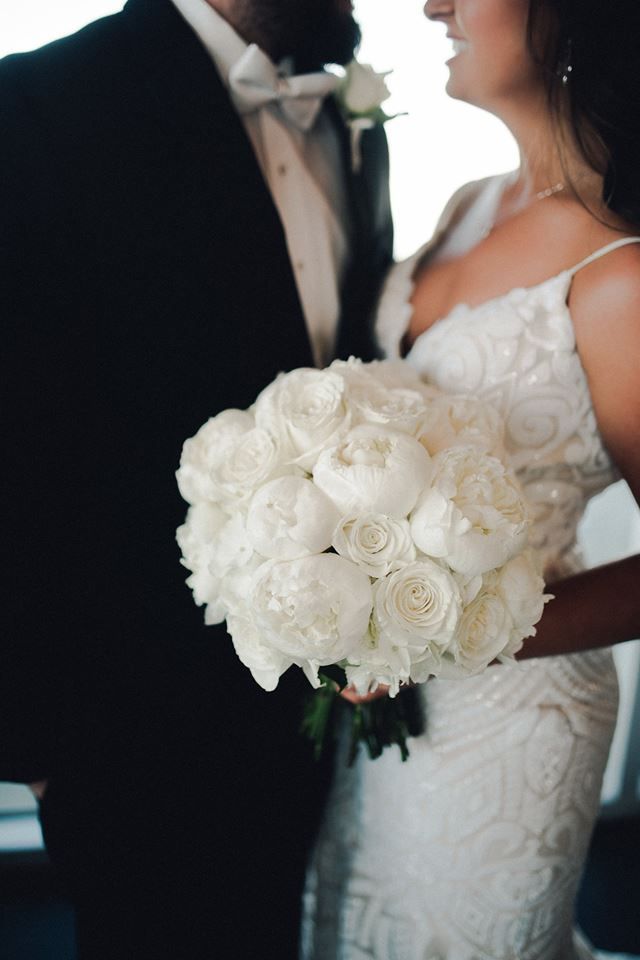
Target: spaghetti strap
602,252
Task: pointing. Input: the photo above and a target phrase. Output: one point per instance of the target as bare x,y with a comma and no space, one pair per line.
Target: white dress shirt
304,173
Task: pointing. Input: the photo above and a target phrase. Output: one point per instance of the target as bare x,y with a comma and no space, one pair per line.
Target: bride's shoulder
609,287
605,310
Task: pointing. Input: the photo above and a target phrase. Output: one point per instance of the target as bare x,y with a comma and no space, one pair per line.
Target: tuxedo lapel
188,98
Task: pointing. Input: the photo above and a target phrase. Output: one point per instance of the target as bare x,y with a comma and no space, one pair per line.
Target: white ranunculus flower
522,589
418,607
375,542
363,90
200,454
374,470
265,663
484,631
290,518
314,610
474,515
196,539
454,421
306,410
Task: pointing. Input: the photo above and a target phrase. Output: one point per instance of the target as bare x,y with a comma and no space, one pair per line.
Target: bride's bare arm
601,607
597,608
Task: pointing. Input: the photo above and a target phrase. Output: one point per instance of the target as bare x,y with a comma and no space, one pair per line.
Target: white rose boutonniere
360,96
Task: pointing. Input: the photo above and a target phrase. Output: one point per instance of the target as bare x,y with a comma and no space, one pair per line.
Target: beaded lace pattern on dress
473,849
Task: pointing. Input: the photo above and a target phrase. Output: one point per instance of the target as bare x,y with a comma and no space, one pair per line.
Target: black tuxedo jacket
145,285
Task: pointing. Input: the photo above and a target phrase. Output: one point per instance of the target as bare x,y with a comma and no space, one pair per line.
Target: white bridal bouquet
358,524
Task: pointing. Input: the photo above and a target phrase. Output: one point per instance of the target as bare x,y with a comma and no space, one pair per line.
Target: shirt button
299,265
282,169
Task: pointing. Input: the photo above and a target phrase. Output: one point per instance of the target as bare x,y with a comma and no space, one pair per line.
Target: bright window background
439,145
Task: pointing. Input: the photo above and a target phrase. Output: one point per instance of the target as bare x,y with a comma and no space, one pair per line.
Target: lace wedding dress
473,849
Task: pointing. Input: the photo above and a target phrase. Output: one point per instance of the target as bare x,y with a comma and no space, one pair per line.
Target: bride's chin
454,89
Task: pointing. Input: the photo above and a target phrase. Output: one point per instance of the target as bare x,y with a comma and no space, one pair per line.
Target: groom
180,220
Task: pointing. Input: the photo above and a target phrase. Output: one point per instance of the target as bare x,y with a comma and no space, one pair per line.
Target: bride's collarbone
508,259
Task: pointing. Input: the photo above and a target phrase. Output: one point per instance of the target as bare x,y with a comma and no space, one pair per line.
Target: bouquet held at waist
365,528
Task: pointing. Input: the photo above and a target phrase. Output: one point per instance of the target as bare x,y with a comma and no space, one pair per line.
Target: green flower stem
378,724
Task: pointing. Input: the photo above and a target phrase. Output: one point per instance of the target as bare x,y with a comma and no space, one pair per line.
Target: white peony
227,460
290,518
306,410
418,608
392,374
521,587
265,662
196,539
314,610
374,470
474,515
200,454
375,542
379,660
454,421
232,563
396,407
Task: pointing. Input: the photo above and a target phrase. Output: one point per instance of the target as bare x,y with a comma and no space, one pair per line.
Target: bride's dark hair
588,51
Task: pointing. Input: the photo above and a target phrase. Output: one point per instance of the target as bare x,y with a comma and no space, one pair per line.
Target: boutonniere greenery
360,96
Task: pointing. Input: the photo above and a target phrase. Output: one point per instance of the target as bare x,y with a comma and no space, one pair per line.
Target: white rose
375,542
313,610
521,587
363,89
265,662
474,515
453,421
418,607
374,470
290,518
483,633
196,539
200,454
306,410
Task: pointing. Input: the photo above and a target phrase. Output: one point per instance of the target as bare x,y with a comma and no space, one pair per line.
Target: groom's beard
313,32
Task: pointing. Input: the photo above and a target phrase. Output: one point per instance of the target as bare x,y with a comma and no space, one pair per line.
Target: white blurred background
436,147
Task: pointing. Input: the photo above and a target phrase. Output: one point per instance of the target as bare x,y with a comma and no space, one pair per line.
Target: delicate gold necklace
540,195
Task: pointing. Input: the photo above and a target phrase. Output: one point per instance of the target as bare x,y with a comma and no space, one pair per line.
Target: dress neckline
491,197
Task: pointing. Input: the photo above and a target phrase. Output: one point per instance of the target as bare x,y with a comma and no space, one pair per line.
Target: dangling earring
565,69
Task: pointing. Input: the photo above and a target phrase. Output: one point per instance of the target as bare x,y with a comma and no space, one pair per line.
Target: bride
528,296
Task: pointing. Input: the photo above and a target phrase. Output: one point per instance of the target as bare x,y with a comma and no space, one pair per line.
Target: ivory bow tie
255,82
